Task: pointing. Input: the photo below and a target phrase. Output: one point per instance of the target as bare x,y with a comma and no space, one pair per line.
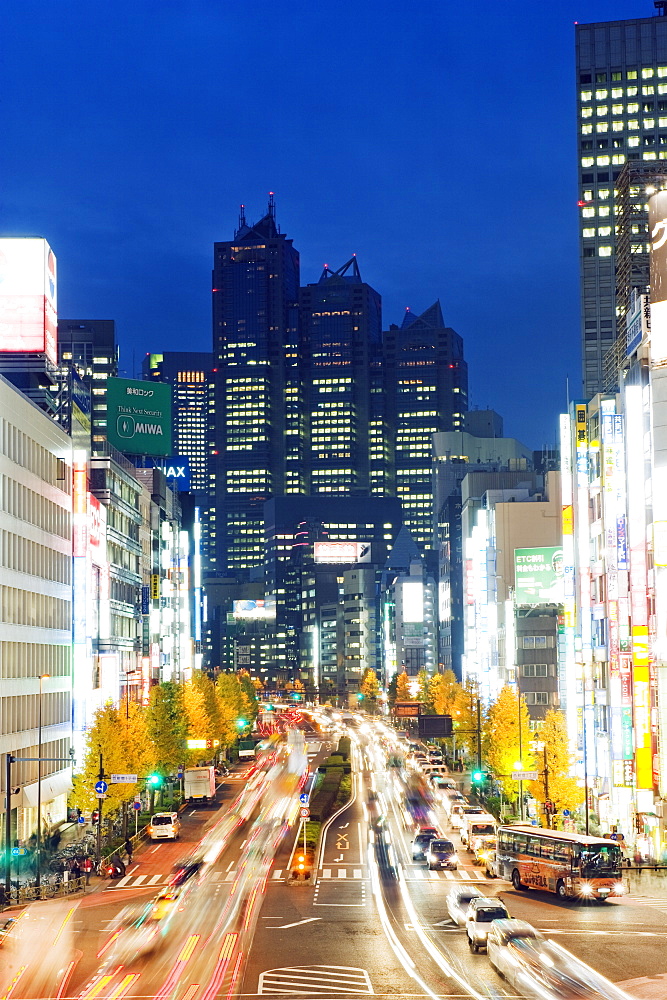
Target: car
481,913
184,871
491,869
441,854
164,826
481,846
503,945
420,845
458,901
428,829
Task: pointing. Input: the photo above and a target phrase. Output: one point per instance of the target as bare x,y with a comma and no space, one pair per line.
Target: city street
372,922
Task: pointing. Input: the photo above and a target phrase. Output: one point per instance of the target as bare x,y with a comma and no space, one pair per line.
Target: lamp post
539,745
38,852
518,766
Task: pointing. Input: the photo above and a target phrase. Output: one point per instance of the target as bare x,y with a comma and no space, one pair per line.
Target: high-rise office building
189,373
88,348
257,425
622,117
341,335
426,386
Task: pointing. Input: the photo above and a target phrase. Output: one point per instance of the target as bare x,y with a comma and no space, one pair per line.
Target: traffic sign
304,812
525,775
18,852
101,787
566,812
123,779
136,805
304,798
81,821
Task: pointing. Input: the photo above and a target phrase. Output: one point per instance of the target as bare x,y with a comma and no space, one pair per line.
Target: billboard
254,610
177,470
342,552
28,297
139,416
539,575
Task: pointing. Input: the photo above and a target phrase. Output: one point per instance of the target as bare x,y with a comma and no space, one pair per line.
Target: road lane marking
154,880
133,869
277,873
156,848
123,881
326,873
342,873
297,923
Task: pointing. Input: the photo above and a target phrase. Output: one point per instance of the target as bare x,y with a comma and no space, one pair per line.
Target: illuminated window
617,126
602,127
586,95
604,251
633,109
647,73
632,75
649,156
587,161
601,95
633,123
648,91
617,92
603,211
601,110
588,213
633,140
603,161
649,123
618,158
588,233
604,230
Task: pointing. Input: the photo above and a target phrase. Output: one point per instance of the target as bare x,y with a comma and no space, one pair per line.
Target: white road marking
297,923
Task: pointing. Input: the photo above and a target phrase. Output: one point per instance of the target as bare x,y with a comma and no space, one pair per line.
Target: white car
458,902
503,945
481,913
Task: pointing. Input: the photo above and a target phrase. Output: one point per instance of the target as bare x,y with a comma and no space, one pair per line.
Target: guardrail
47,890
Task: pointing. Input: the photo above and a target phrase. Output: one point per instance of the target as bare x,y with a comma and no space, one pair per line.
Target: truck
477,825
199,784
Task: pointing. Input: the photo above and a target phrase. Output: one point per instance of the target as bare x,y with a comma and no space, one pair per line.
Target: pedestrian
87,868
75,868
129,850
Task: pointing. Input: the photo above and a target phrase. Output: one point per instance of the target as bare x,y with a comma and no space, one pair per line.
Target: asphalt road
368,925
373,922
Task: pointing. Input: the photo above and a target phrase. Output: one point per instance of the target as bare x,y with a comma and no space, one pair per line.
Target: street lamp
518,766
42,678
539,745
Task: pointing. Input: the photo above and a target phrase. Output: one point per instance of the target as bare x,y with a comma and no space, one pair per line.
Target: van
477,825
430,769
164,826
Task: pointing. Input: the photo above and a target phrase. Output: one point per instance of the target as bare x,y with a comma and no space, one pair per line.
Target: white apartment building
35,609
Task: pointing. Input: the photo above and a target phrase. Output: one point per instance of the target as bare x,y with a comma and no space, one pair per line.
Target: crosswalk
657,902
353,874
314,980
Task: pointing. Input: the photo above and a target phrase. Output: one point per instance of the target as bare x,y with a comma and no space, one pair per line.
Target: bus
569,864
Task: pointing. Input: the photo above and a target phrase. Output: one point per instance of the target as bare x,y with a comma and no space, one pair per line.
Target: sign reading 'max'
139,416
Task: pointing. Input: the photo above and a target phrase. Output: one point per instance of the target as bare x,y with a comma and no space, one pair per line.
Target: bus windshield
599,859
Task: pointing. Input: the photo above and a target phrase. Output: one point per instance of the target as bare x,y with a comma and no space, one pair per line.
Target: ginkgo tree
553,760
507,739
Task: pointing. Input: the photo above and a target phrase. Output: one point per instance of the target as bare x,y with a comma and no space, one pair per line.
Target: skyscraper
426,386
87,347
257,439
189,373
341,330
622,117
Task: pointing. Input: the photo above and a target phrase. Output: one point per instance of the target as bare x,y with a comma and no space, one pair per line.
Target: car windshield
442,845
494,913
482,829
600,858
465,897
162,821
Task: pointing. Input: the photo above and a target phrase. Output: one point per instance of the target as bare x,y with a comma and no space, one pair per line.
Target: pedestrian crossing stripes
657,902
148,881
323,980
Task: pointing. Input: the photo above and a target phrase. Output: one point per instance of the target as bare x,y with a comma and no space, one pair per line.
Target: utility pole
546,789
479,735
100,802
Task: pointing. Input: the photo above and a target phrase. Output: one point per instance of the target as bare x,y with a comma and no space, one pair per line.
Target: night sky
434,140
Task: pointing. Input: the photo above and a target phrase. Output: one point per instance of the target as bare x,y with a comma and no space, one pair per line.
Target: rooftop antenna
242,221
272,205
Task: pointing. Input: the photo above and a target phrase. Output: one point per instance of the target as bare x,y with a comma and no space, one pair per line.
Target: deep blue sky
435,140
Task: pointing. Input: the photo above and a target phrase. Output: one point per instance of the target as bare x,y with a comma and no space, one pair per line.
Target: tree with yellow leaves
370,688
402,688
507,739
552,748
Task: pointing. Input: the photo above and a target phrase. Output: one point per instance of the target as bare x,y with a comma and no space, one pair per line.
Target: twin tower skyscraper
312,397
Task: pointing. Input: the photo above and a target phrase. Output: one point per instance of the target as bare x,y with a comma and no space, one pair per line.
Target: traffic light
241,723
360,696
478,777
154,779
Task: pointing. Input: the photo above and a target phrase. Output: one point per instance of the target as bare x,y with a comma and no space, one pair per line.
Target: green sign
538,576
139,416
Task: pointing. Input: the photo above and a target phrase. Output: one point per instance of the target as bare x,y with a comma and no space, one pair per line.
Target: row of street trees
133,739
506,737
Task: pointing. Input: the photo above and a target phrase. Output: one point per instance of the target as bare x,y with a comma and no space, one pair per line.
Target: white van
430,769
164,826
477,825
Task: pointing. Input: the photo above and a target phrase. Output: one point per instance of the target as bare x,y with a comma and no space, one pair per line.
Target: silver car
481,914
458,902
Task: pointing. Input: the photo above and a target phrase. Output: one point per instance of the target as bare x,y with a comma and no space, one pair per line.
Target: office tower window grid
622,116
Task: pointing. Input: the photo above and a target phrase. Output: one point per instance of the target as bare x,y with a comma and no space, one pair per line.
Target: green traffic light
154,779
241,723
477,775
